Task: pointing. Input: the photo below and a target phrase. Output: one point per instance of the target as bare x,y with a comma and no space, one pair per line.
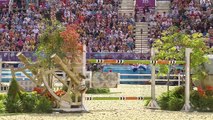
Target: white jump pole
153,103
187,106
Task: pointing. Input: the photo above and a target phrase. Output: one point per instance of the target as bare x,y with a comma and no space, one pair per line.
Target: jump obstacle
153,104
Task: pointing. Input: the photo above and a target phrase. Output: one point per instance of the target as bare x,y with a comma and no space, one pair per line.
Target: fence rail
138,77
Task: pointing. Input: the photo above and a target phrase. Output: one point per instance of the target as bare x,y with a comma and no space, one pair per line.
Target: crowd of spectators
188,15
102,29
19,28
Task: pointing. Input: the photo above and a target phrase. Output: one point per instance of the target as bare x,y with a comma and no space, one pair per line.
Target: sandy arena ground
117,110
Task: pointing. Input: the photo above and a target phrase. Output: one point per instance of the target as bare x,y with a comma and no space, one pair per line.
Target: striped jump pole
146,62
114,98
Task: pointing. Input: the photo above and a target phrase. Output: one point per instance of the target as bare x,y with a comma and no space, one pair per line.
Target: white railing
179,78
176,77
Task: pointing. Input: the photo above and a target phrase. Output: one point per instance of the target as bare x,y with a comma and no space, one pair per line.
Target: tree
60,40
71,45
172,44
13,89
50,42
13,103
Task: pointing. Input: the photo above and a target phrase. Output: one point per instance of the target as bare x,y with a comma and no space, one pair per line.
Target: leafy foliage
2,106
3,96
163,100
175,104
13,103
200,102
28,102
172,46
43,105
70,45
13,89
50,43
172,100
2,101
59,40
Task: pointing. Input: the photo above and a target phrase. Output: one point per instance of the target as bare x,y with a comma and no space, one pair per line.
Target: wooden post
63,66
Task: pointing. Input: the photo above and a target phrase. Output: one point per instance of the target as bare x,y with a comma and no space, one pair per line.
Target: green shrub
3,96
13,103
172,100
13,89
195,99
201,102
209,92
2,106
178,92
17,101
163,101
28,101
43,105
98,90
175,104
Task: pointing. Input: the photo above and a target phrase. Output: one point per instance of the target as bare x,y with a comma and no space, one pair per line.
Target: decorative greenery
13,89
50,43
28,101
98,90
18,102
172,100
3,96
175,104
59,40
13,103
201,102
43,105
2,106
172,44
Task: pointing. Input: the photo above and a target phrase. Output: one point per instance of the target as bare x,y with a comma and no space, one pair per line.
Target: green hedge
35,103
26,102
